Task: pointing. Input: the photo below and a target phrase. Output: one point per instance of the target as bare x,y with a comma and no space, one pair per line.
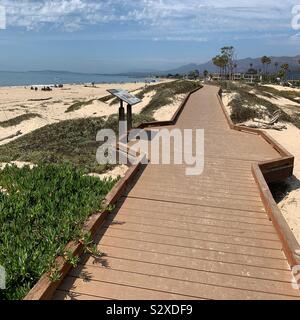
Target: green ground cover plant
41,210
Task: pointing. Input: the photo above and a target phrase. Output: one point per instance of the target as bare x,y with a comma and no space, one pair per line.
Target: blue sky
122,35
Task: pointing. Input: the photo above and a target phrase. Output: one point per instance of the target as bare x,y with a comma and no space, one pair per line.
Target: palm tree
284,68
276,64
265,61
269,61
205,73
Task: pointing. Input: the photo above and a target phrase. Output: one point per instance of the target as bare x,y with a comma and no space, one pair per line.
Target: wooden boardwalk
174,236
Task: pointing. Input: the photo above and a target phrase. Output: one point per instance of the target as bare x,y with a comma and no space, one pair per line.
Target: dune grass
106,98
19,119
165,93
71,141
290,95
245,105
78,105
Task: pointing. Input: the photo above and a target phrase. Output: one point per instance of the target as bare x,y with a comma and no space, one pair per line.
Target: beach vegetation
165,93
19,119
248,102
78,105
71,141
41,210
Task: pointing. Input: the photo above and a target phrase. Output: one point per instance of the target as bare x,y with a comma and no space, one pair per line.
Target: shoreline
44,78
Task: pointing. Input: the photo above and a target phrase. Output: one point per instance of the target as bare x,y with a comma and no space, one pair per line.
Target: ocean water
51,78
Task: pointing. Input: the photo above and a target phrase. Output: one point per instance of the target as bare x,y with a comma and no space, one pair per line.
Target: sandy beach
50,107
281,88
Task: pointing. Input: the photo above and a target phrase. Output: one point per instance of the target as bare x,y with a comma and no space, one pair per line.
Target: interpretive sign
125,96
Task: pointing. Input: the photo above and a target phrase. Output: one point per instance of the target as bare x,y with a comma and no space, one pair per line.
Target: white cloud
168,19
2,17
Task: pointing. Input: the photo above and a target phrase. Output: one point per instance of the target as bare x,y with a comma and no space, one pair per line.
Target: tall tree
229,55
264,61
221,62
194,74
284,69
268,62
276,64
216,62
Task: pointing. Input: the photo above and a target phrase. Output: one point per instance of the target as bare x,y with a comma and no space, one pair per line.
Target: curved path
174,236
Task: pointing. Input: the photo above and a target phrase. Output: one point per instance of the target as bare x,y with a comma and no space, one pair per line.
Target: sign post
130,99
121,112
129,117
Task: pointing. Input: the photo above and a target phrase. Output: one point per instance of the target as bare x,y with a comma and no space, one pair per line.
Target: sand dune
281,88
51,106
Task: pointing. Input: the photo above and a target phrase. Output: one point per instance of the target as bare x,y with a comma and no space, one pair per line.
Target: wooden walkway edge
205,237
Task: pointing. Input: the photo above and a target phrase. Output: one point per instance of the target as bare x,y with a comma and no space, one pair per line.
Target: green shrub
241,113
41,210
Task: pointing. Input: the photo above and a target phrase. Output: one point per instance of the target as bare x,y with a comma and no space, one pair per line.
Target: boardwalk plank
165,285
190,275
196,249
150,254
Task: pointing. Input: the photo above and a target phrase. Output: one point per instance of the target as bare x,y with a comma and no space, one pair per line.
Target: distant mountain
242,66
